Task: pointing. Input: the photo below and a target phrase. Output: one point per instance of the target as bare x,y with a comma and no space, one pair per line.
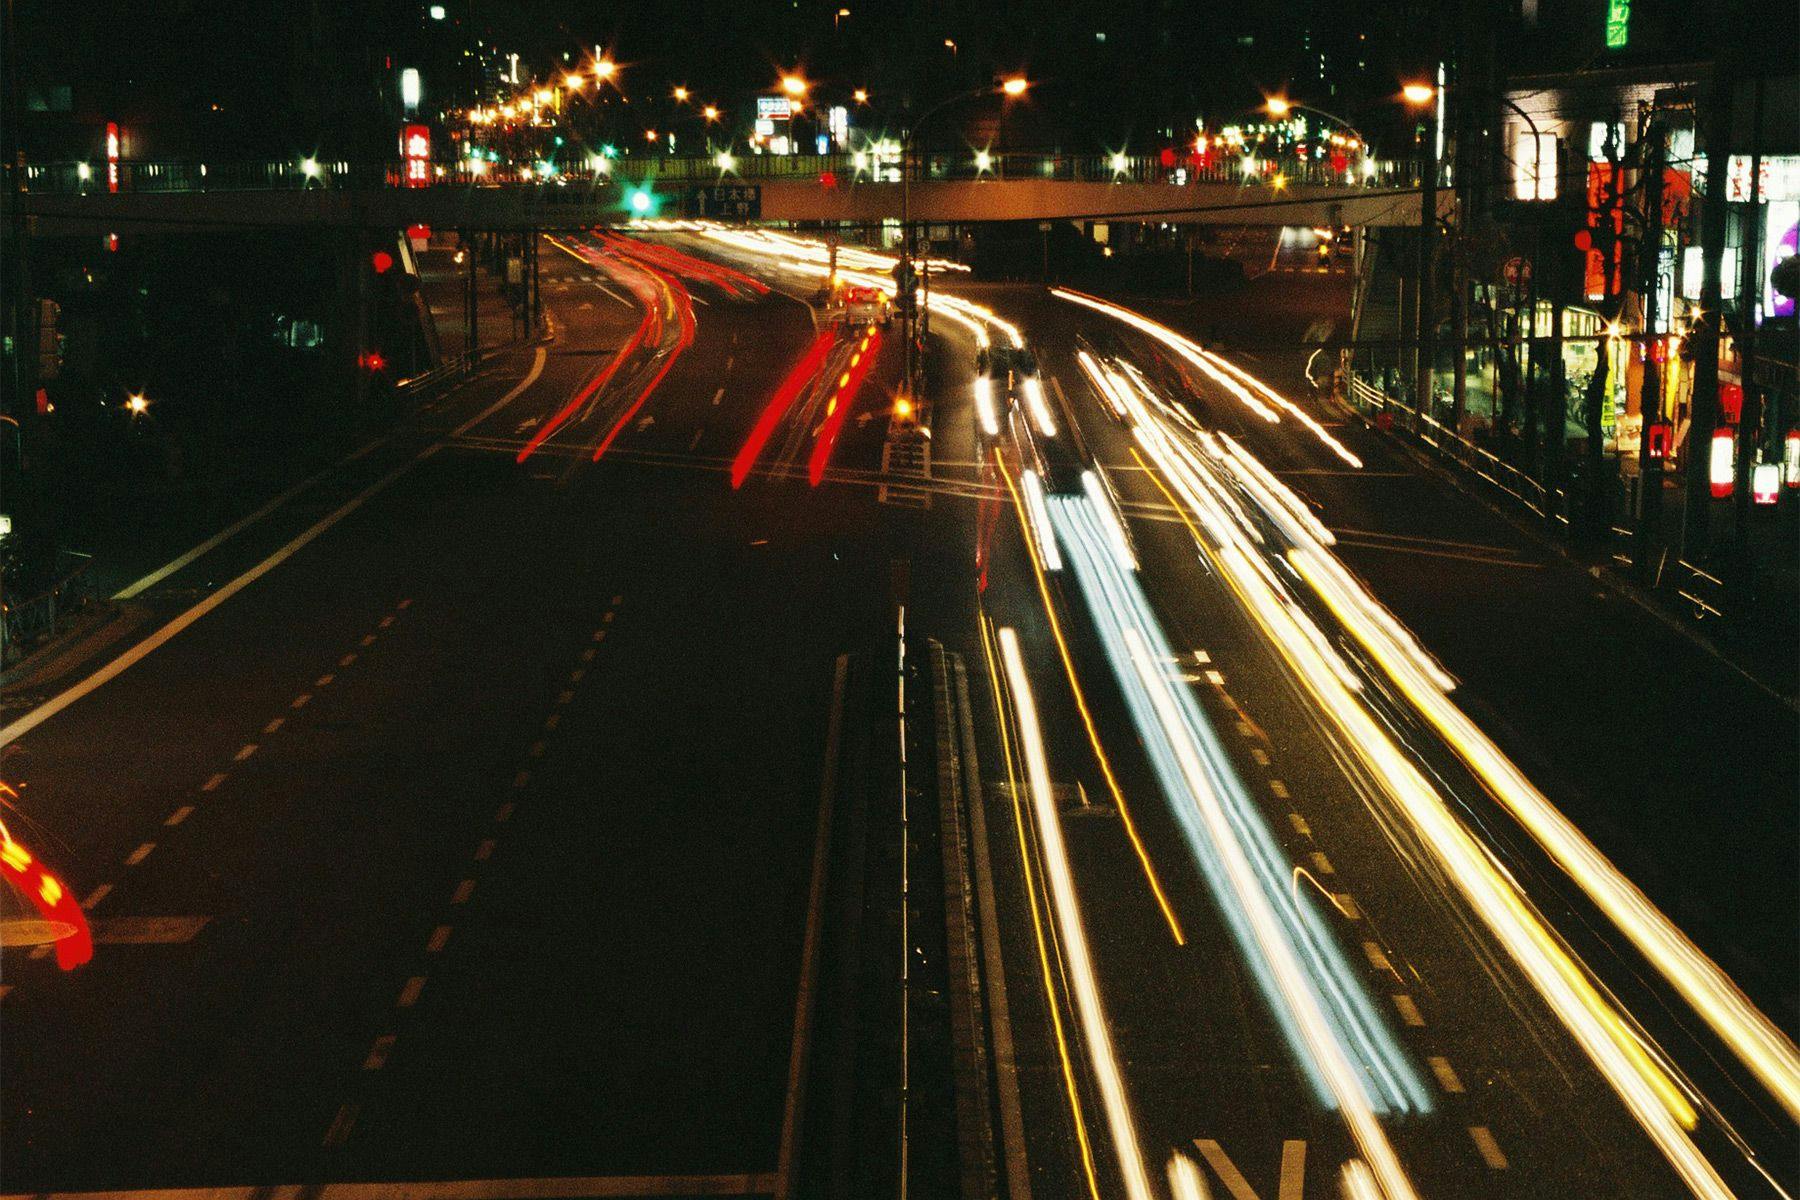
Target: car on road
864,305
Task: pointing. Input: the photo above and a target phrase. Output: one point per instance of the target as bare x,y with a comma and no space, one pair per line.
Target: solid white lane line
143,649
531,377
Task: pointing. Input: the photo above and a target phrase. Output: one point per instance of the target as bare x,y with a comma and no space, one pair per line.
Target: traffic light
382,261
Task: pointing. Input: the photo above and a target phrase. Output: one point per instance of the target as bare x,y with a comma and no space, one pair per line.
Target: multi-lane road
458,819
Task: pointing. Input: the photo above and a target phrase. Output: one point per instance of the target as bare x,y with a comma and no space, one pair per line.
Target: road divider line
1446,1074
168,632
409,994
179,815
213,783
140,854
531,377
378,1053
1488,1147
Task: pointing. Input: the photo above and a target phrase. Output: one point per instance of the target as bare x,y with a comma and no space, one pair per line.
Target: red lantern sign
1661,433
415,149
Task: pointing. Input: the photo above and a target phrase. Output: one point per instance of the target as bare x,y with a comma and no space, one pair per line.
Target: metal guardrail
80,178
1373,401
28,622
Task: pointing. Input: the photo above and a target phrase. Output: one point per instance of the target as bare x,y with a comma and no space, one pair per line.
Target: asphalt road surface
465,831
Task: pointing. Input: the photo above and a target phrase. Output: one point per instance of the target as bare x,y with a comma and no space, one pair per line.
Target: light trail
684,306
838,408
1228,375
1081,705
1033,387
1312,992
1657,1104
791,385
46,893
1756,1041
1040,520
1060,882
983,390
1004,723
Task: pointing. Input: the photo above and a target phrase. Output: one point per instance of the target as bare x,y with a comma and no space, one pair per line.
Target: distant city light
604,68
640,200
83,171
409,88
682,94
574,82
710,112
984,161
437,12
793,85
309,167
1119,163
1418,93
137,403
1015,86
860,95
725,160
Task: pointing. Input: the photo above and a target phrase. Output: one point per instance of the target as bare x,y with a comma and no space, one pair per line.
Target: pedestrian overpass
72,198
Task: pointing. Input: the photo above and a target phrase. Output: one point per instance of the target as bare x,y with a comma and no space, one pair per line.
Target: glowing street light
137,403
604,68
794,85
860,95
1278,106
984,161
650,135
710,112
1418,94
682,94
1015,86
574,82
309,167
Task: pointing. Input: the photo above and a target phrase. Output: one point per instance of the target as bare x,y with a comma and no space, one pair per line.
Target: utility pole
1427,323
1649,506
1750,273
1695,539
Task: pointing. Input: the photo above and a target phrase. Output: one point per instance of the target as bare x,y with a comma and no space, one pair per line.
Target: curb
98,616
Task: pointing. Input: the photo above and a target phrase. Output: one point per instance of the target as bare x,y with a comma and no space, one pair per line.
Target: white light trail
1108,515
1033,387
984,405
1040,521
1097,1035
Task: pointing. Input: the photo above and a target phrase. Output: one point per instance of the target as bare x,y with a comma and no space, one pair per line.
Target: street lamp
681,94
1280,106
1013,86
710,112
1418,94
860,95
574,82
794,85
1423,96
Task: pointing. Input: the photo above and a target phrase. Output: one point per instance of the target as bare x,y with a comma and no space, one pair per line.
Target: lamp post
1012,87
1424,96
1281,106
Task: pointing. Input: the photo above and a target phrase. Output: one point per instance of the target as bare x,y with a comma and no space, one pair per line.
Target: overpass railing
296,175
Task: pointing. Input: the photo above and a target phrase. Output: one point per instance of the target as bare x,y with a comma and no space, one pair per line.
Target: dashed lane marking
506,811
617,600
386,621
439,937
1489,1148
484,851
96,896
244,752
718,396
409,995
341,1125
552,721
378,1053
148,931
1260,755
275,724
1216,679
464,890
368,640
1300,825
537,750
521,779
1321,864
179,815
587,655
564,696
1347,905
140,854
1378,958
324,680
576,675
1279,788
213,783
1409,1012
1446,1074
300,700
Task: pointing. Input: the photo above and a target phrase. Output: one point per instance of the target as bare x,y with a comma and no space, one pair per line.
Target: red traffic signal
374,361
382,261
828,180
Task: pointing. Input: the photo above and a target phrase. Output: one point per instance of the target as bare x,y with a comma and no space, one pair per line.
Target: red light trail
801,374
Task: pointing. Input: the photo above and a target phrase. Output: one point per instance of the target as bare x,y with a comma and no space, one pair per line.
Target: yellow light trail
1061,886
1087,719
1012,783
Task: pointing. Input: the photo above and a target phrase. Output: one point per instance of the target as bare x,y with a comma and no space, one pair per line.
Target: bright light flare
1418,94
1015,86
